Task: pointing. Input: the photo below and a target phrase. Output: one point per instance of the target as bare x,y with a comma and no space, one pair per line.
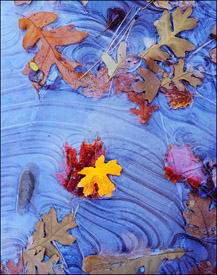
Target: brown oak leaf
48,54
176,98
144,111
179,75
70,178
198,216
48,230
129,263
150,85
97,85
123,82
179,46
33,260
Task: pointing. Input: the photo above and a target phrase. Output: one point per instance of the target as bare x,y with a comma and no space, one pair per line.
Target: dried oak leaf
33,261
18,3
97,85
123,81
176,98
178,45
129,263
181,162
205,268
48,54
121,57
150,85
54,231
185,4
179,75
13,268
198,216
98,175
70,178
144,111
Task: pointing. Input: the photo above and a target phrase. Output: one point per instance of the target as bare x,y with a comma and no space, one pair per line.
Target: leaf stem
197,50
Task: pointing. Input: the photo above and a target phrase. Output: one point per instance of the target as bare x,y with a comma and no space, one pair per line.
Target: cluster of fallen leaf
175,85
90,176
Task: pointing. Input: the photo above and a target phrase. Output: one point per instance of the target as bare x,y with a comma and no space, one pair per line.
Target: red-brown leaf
176,98
205,268
70,178
181,162
144,111
97,85
13,268
123,82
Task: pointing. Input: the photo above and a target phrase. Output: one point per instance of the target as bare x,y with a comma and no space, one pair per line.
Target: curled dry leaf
98,175
179,46
33,261
48,230
185,4
111,64
97,85
129,263
205,268
212,54
198,216
162,4
144,111
176,98
48,55
180,162
179,75
123,81
70,178
18,3
150,85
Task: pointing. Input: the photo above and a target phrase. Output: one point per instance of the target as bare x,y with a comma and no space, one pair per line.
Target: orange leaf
176,98
181,162
48,55
98,85
98,175
144,111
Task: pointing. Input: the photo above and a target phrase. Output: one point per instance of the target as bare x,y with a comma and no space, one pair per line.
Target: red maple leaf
70,178
15,269
144,111
181,162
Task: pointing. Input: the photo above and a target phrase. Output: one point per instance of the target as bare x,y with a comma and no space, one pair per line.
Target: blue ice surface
145,209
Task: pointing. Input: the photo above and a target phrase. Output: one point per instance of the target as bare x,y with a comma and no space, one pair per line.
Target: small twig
112,42
36,212
127,26
105,29
75,211
110,87
90,69
148,5
131,25
205,44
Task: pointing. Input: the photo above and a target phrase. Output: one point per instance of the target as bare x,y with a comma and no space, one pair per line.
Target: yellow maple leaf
98,175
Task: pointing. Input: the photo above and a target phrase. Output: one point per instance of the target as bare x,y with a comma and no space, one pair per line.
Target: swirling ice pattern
146,209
